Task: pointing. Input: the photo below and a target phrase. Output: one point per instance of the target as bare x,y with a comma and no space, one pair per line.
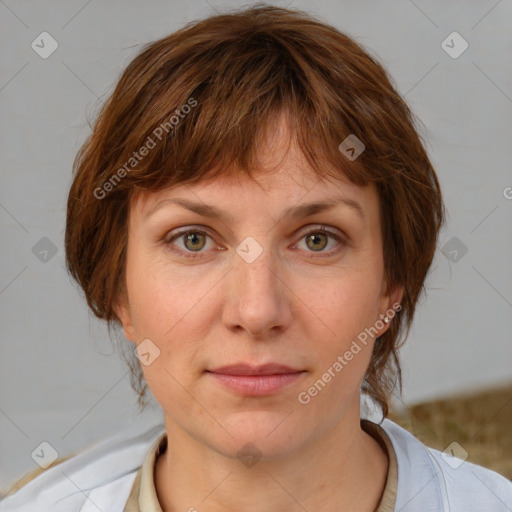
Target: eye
317,240
195,240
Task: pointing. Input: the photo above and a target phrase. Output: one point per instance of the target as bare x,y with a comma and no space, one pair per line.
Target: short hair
193,105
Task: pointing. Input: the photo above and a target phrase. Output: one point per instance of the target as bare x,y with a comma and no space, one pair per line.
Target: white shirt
101,478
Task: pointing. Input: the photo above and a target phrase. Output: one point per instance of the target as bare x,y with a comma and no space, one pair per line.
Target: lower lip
256,385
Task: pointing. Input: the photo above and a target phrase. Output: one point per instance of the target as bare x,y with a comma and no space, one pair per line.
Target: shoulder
483,488
101,474
26,478
427,475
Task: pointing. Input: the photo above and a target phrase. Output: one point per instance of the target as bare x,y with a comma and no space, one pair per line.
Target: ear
394,297
390,303
121,308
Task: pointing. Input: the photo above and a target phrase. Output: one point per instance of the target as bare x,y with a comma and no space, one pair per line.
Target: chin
273,434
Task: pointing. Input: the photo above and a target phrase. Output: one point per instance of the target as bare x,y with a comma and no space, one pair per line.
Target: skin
286,306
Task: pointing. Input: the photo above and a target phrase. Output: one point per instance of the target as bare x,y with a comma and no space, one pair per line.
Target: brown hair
193,105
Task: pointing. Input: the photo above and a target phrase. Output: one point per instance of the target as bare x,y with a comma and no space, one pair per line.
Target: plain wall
60,379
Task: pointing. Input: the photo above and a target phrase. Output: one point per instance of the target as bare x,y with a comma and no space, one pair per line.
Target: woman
256,210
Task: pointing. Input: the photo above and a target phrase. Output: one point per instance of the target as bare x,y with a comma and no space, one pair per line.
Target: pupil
192,237
315,238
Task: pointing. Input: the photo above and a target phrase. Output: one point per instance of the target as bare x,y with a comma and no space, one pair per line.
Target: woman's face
256,282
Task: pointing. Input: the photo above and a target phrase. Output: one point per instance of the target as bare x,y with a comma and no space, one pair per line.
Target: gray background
60,379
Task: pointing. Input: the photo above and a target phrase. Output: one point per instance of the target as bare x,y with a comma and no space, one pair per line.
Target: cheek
173,308
157,296
347,304
348,307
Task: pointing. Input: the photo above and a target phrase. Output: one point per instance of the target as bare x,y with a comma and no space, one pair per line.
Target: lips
244,369
255,380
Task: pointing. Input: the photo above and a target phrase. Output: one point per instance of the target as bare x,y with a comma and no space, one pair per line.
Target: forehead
282,190
241,201
283,173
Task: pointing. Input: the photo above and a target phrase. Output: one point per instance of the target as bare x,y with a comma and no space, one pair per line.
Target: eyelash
190,254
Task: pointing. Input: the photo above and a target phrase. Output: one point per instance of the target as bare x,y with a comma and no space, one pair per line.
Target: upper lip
247,369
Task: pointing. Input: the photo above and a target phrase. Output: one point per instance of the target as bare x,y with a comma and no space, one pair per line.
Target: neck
345,466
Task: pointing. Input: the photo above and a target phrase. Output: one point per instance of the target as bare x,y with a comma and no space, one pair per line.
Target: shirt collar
143,496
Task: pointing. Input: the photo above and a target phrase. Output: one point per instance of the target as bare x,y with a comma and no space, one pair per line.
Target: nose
258,296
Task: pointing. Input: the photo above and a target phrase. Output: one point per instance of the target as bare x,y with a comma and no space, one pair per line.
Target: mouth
248,380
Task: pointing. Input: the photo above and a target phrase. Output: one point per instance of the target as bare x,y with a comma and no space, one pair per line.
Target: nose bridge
259,274
260,296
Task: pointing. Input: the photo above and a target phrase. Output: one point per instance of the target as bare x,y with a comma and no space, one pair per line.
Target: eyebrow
300,211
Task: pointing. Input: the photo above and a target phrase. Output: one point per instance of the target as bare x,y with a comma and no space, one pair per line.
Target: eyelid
172,235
